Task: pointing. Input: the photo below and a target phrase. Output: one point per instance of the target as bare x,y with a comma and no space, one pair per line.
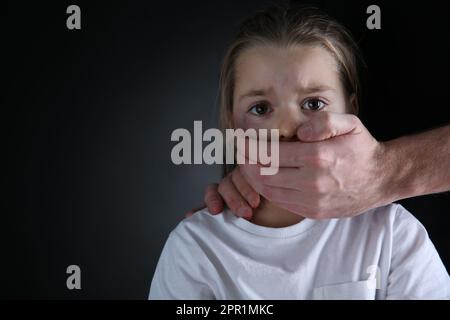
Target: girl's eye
259,109
313,104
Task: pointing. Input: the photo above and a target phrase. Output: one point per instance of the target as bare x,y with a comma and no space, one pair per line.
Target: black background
87,117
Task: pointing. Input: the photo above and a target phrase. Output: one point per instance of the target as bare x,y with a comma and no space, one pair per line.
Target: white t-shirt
384,253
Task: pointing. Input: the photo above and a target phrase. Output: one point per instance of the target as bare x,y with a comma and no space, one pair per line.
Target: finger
275,193
290,178
213,200
296,154
283,195
261,151
244,188
237,204
326,125
289,154
247,150
191,212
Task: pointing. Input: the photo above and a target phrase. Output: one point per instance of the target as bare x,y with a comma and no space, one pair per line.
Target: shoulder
201,225
385,223
394,222
400,220
390,216
190,238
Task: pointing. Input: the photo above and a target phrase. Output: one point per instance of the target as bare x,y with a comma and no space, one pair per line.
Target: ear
353,106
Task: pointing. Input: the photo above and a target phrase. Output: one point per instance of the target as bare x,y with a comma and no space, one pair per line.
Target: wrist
384,177
398,164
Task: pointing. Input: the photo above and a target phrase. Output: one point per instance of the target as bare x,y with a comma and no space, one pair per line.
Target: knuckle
323,153
319,162
233,204
248,193
321,158
318,187
314,188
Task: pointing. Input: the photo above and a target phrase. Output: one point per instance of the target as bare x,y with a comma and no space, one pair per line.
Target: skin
360,173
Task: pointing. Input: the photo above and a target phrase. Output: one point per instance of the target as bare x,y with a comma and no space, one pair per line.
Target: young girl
284,66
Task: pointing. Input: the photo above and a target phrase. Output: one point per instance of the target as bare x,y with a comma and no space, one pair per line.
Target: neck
270,215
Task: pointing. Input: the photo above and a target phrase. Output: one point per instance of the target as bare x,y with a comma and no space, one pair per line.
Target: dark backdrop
87,116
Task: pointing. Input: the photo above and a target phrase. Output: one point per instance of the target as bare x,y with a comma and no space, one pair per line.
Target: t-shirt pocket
360,290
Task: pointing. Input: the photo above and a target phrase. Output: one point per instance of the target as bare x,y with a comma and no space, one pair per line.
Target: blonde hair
285,25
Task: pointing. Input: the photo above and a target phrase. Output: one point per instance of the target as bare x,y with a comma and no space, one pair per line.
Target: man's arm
418,164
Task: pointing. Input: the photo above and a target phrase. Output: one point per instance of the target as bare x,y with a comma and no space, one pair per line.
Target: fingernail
216,210
244,212
254,201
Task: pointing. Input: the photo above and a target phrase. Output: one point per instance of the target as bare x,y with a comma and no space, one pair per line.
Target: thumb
326,125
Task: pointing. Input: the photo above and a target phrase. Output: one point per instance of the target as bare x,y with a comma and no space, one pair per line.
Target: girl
285,65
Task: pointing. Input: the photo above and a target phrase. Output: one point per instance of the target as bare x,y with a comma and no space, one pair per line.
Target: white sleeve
178,275
416,270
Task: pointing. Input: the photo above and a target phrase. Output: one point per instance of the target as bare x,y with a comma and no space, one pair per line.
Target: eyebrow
317,88
307,90
253,93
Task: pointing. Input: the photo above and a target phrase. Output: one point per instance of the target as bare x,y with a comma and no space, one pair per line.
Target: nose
288,123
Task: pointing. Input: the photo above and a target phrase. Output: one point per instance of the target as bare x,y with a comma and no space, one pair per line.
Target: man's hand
339,172
335,170
338,169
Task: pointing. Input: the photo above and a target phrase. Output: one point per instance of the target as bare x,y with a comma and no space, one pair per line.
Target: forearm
417,165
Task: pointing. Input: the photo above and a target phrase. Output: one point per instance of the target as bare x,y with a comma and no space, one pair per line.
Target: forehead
296,66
